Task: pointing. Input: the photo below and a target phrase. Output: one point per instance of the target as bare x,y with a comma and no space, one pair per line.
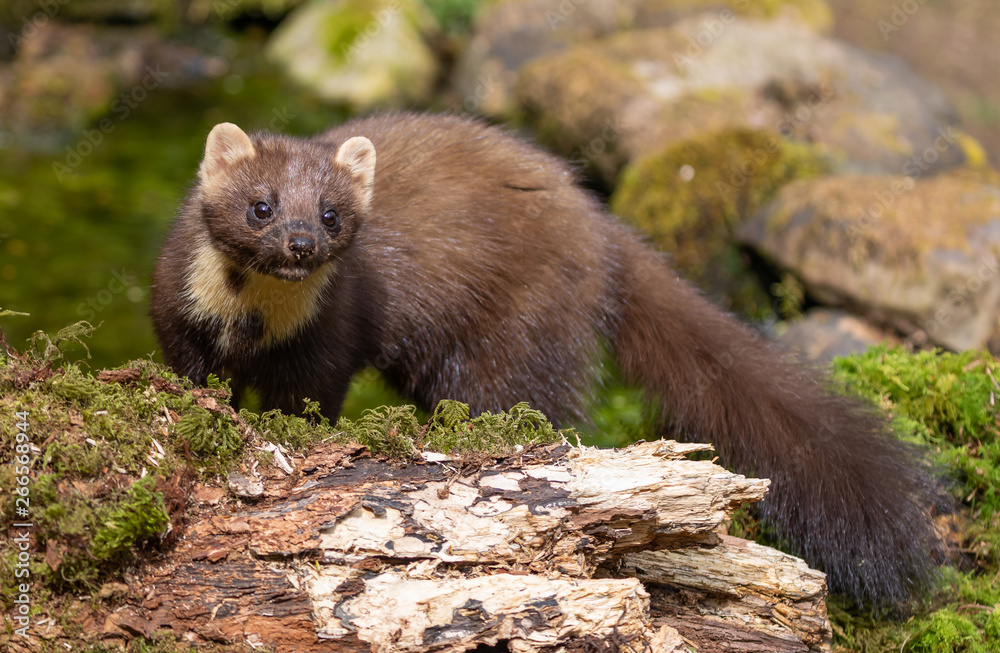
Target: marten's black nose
301,246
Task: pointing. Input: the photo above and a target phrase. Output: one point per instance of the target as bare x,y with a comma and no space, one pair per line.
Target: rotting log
737,597
351,553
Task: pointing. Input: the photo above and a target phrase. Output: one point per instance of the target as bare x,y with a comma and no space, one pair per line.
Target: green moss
789,296
342,27
943,397
578,119
160,642
690,197
74,387
207,433
815,13
450,430
946,402
947,632
91,536
991,631
139,517
388,430
100,449
396,430
455,16
290,430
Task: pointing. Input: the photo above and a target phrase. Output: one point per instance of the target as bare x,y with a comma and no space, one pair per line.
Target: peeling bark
349,553
738,596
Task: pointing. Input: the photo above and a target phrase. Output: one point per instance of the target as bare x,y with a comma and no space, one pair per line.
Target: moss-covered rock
691,197
360,53
511,33
814,14
706,73
917,254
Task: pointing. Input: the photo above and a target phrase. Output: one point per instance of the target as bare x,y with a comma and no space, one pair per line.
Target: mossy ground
110,471
948,403
109,460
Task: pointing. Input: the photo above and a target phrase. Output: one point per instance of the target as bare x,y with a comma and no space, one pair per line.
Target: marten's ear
358,156
227,145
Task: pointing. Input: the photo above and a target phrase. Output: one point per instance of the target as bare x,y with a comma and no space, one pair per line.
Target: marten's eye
262,211
331,219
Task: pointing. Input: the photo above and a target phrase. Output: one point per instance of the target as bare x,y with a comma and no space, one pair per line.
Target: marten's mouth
292,272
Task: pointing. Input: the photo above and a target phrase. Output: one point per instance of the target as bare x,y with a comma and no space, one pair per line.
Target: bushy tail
850,499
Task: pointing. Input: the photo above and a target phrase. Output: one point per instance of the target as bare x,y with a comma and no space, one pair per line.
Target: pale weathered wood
399,611
737,596
348,553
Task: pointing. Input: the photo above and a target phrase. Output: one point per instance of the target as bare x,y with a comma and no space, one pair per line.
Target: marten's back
475,231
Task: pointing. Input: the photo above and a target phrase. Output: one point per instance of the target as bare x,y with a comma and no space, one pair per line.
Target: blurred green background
81,243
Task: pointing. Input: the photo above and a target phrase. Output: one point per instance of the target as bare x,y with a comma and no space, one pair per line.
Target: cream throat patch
283,307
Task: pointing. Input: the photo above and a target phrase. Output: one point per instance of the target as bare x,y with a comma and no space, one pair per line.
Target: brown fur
480,271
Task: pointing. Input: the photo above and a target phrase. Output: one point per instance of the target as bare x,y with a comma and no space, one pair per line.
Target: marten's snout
301,247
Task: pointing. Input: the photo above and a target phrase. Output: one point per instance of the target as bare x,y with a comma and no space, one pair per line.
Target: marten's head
281,206
277,214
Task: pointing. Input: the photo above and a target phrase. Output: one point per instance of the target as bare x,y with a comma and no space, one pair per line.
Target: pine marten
474,266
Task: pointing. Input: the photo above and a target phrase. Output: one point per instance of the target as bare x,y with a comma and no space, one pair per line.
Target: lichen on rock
919,255
360,53
691,197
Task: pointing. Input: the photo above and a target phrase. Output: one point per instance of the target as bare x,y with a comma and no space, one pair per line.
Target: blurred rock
360,53
617,99
65,76
511,33
824,333
815,15
18,15
24,14
226,10
690,197
918,255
